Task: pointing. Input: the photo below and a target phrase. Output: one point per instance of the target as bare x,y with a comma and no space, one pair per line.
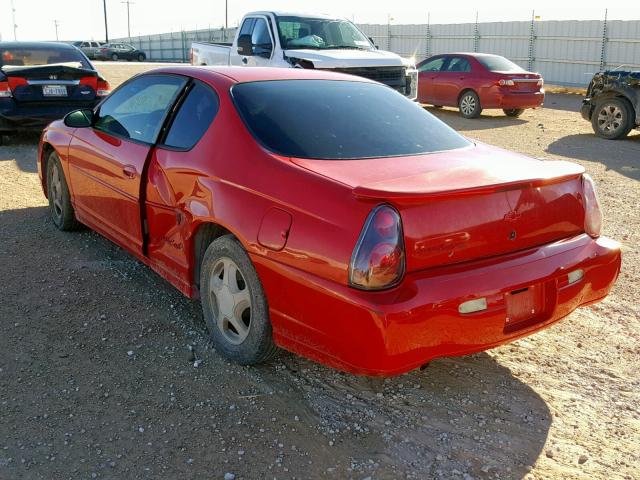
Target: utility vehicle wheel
513,112
234,305
62,214
612,118
469,105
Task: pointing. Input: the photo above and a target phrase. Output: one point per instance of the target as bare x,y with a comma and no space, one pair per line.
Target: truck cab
287,40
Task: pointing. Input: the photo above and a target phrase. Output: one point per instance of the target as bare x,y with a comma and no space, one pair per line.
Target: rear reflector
473,306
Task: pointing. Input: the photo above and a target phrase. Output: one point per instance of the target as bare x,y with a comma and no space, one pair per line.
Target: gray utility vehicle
612,104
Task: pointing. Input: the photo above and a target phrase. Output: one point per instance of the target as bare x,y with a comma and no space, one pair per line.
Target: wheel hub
230,300
610,118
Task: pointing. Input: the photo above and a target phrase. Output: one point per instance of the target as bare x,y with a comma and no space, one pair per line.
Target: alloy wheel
468,104
230,300
56,192
610,118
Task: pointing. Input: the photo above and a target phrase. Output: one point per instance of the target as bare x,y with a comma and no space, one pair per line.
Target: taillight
5,91
191,56
506,82
592,212
103,89
540,82
89,81
378,260
9,86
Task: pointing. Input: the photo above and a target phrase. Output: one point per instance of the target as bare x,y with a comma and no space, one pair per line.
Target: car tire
612,118
513,112
114,57
469,104
60,208
141,58
234,304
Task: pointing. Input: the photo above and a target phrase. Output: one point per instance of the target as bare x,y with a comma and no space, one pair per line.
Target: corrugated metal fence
564,52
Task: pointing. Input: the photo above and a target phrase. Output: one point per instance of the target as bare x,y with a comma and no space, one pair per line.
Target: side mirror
245,47
79,118
263,51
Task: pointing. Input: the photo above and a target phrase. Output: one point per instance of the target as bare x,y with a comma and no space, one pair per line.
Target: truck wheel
114,57
234,305
62,213
612,118
469,105
513,112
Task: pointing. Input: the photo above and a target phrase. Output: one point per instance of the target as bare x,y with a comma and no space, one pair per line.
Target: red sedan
328,215
476,81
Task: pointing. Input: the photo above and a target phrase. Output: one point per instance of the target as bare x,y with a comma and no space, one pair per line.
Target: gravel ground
98,378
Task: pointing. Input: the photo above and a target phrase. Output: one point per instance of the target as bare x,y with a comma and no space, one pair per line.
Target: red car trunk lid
470,203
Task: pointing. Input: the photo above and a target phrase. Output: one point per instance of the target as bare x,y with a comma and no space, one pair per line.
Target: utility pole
56,23
106,30
128,2
226,14
13,16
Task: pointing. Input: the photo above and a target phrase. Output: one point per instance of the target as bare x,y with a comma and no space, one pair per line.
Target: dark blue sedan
43,81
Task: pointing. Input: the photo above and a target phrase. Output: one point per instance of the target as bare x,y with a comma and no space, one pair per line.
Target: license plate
524,304
54,91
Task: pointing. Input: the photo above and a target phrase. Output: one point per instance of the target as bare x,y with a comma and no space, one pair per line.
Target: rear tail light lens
506,82
378,261
90,81
5,91
592,212
103,89
191,56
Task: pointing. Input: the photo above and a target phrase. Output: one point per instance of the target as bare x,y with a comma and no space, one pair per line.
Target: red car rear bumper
388,333
510,100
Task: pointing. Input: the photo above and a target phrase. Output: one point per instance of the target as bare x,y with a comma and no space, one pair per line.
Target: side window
247,26
260,37
432,66
138,108
458,64
85,44
194,117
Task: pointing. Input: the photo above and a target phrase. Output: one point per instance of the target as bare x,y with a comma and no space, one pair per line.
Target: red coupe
328,215
476,81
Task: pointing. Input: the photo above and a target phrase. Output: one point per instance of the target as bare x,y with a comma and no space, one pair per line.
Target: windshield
23,56
320,33
329,119
495,63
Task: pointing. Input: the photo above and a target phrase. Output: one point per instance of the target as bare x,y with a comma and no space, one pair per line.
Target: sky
84,20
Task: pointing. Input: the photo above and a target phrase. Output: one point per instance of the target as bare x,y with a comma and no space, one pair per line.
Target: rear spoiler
460,183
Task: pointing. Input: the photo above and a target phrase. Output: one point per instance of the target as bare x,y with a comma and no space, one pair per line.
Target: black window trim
164,131
96,110
257,139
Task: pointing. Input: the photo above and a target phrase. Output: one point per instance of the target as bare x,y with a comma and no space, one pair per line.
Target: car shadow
623,156
486,121
11,145
100,316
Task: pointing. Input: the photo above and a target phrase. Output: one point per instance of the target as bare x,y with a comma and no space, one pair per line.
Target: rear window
325,119
495,63
22,56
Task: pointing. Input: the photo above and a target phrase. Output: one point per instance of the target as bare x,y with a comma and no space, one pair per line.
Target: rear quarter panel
55,136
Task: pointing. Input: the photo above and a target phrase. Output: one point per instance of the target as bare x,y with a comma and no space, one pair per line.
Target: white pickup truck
274,39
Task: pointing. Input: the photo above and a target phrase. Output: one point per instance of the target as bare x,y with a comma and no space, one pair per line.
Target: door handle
129,171
244,60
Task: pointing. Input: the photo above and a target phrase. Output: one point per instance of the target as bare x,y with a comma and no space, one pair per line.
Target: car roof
294,14
27,45
256,74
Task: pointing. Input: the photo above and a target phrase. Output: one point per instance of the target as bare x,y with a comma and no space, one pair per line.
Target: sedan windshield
320,33
495,63
328,119
29,56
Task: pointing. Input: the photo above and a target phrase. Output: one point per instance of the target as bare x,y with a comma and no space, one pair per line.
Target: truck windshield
320,33
333,119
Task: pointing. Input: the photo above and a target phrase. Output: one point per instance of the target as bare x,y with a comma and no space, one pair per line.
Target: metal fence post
428,52
532,39
603,49
476,35
184,50
389,32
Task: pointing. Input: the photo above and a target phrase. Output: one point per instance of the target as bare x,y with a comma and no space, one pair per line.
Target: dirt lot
96,379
